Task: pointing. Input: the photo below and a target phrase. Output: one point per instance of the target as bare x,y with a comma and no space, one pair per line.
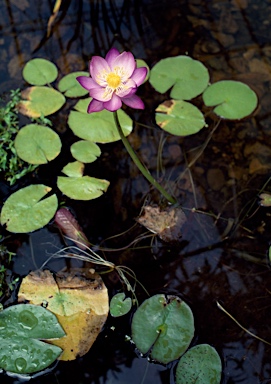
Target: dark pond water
223,253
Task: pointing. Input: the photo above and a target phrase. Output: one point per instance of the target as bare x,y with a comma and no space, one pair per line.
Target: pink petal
139,75
101,94
133,102
114,104
86,82
95,106
97,66
127,61
129,89
112,54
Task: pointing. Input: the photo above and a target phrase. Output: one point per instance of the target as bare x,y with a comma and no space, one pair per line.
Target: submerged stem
139,165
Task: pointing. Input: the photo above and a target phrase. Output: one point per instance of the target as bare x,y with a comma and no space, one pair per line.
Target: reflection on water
222,255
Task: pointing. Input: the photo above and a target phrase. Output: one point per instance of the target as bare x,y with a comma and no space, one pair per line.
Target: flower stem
139,165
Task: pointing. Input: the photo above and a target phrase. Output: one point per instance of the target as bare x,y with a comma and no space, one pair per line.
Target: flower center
113,80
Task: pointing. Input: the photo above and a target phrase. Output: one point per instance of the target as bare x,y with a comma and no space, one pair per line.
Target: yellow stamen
113,80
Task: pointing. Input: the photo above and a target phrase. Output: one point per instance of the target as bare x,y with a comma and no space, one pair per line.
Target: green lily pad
119,306
233,99
82,188
40,72
37,144
85,151
265,199
21,328
74,169
27,210
201,365
187,76
70,86
40,101
98,127
179,117
164,326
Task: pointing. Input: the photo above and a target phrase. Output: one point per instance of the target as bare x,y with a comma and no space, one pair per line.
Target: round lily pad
163,326
187,76
233,99
119,306
40,101
201,365
179,117
21,328
98,127
27,210
37,144
85,151
70,86
82,188
40,72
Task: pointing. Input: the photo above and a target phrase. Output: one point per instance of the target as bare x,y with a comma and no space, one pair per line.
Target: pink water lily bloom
114,80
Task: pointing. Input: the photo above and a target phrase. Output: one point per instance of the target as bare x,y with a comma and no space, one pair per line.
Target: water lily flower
114,80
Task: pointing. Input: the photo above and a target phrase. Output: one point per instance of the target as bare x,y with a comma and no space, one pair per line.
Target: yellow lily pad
78,298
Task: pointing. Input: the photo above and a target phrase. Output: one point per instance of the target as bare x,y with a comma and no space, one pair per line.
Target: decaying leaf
78,298
167,223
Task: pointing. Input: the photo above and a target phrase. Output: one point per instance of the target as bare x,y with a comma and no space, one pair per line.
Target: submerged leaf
27,210
40,101
21,328
70,227
119,306
40,72
164,326
37,144
179,117
78,298
201,365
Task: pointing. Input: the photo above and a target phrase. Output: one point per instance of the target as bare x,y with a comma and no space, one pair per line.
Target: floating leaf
74,169
40,101
85,151
201,365
167,223
265,199
40,72
82,188
70,86
78,298
20,328
119,306
179,117
70,227
27,210
98,127
37,144
234,99
188,77
164,325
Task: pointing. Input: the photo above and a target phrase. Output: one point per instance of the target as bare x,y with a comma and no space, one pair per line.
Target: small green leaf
119,306
179,117
201,365
85,151
164,325
27,210
37,144
265,199
40,72
70,86
21,327
188,77
40,101
141,63
74,169
98,127
234,99
82,188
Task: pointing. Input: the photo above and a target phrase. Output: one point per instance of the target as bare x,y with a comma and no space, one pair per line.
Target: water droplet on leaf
20,364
